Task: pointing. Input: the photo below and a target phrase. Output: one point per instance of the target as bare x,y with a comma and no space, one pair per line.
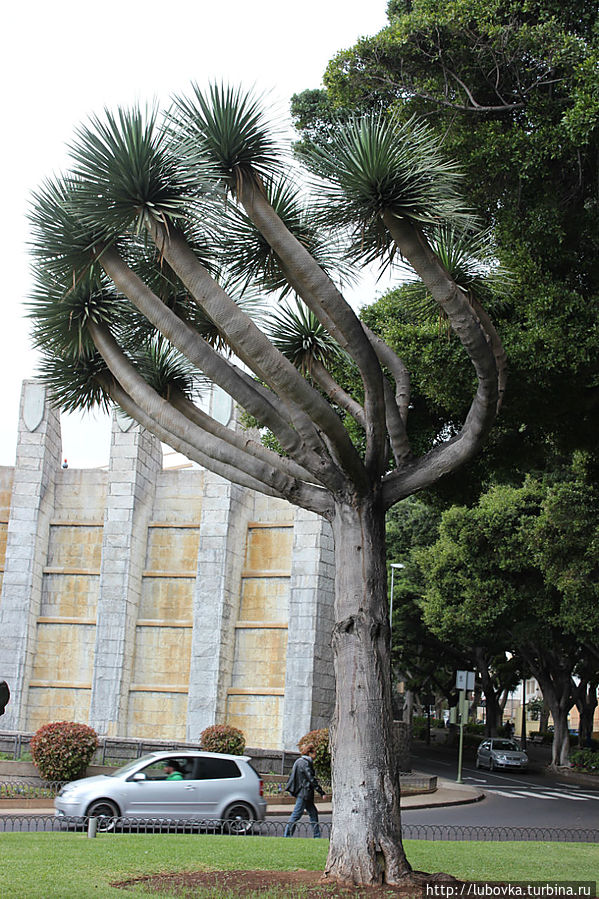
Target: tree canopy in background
512,91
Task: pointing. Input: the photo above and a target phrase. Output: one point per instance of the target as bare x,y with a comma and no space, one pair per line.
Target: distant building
151,603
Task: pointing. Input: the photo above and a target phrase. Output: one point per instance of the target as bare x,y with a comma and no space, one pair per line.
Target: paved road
523,799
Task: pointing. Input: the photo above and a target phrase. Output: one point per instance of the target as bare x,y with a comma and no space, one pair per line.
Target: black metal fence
50,822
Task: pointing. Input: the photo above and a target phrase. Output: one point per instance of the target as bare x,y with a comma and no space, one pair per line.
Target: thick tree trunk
585,695
365,845
557,693
493,708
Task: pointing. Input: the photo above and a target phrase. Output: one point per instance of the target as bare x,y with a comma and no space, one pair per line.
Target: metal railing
430,832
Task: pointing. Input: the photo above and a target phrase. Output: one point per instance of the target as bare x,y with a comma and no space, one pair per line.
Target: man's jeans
303,805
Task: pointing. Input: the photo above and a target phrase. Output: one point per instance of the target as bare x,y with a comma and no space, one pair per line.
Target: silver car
177,786
500,753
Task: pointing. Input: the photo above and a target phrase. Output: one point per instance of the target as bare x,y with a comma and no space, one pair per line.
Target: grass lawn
71,866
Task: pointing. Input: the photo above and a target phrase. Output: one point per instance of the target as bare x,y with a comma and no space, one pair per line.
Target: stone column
309,679
135,460
37,463
226,510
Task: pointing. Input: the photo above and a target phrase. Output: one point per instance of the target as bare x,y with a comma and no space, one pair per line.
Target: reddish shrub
63,750
320,739
223,738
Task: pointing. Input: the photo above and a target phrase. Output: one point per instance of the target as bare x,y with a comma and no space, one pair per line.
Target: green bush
585,759
472,728
322,761
63,750
223,738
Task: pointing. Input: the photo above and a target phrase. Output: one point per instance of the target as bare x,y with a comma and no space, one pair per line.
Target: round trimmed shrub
63,750
322,761
223,738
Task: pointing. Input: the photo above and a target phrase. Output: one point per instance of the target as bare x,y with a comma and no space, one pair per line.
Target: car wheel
238,818
106,812
491,765
478,763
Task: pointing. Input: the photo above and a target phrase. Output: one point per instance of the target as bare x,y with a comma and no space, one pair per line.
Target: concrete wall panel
69,595
259,717
156,714
46,705
166,599
162,656
64,654
264,599
259,658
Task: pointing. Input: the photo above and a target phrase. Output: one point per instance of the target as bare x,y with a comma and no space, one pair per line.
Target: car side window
155,770
216,769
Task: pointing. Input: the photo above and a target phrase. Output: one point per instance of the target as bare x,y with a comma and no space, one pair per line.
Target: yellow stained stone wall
255,698
80,495
6,482
264,599
56,704
70,596
259,658
269,549
60,687
259,717
78,547
162,657
157,715
64,654
172,548
162,653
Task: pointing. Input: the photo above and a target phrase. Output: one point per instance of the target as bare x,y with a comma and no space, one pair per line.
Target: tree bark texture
557,693
365,845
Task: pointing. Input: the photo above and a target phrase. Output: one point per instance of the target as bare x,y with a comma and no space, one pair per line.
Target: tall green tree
511,89
136,248
484,585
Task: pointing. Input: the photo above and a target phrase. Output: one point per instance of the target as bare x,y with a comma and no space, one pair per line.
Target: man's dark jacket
302,780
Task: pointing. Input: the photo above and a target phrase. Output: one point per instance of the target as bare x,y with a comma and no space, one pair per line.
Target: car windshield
506,744
131,765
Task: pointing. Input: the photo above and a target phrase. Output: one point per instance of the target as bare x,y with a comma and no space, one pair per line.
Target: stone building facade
151,603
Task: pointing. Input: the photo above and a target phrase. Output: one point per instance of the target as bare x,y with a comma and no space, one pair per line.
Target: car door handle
190,788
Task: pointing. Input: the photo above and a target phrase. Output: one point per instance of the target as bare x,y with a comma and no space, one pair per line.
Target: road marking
539,794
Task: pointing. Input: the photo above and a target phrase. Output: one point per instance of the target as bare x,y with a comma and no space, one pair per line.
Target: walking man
302,783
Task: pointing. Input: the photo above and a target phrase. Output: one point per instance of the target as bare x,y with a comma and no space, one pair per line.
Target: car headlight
67,788
502,758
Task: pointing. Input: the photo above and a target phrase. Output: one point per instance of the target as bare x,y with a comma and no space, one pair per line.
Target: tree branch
259,402
172,421
335,393
322,297
258,353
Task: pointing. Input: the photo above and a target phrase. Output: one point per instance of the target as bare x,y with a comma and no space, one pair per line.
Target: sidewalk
447,793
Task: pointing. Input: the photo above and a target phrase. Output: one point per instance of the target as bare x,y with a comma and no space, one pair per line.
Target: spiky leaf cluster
374,165
165,369
128,173
470,260
298,334
61,313
223,132
62,244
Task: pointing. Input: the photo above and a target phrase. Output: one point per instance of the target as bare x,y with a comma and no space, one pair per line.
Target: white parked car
498,752
174,786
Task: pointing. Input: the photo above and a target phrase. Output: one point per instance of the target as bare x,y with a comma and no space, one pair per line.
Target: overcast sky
65,60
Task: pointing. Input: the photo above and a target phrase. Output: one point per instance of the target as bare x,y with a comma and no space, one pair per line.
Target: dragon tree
150,254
